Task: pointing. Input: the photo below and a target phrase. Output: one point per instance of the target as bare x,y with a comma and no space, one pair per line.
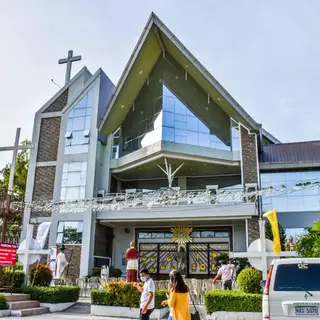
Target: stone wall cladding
59,103
249,156
43,187
250,175
73,255
49,139
253,230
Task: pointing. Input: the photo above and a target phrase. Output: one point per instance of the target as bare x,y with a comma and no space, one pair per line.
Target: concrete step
18,305
29,312
17,297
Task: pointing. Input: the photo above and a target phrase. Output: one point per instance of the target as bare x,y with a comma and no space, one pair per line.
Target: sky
265,53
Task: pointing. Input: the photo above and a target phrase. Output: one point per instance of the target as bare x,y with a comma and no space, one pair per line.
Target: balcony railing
149,198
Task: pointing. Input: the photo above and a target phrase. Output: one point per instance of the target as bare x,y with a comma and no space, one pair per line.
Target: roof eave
127,69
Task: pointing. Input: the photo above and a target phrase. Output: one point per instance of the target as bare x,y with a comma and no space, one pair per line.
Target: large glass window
74,179
69,232
295,277
78,128
182,126
288,201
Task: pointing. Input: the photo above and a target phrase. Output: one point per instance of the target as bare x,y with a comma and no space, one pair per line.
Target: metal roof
307,151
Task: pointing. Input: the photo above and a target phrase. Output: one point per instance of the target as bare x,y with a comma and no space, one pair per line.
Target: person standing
61,264
178,300
227,274
147,294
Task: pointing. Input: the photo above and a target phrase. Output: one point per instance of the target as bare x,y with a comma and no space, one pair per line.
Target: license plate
307,311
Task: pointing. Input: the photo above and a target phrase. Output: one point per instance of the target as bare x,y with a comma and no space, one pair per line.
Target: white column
263,249
26,255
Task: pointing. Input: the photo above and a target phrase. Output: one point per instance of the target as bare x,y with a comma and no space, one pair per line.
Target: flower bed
121,299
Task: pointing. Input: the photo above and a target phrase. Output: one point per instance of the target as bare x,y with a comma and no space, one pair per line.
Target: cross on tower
69,61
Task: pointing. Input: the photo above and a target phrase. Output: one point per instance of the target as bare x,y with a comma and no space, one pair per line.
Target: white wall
121,243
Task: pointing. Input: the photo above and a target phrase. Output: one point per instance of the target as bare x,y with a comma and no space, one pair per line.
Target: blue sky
265,53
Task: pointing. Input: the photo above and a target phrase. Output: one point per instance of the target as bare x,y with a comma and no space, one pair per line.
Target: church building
167,122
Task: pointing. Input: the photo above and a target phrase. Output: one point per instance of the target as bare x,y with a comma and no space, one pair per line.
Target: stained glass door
158,258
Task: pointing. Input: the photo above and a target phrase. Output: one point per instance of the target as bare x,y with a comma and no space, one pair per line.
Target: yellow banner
273,219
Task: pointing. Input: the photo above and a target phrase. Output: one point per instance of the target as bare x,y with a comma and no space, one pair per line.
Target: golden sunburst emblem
181,235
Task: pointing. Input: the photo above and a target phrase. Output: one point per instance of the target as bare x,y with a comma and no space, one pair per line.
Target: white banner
42,233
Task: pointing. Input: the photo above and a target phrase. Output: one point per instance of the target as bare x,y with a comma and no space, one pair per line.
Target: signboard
8,254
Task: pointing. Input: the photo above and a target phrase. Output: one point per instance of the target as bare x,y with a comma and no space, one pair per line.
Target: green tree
21,172
308,245
283,236
19,188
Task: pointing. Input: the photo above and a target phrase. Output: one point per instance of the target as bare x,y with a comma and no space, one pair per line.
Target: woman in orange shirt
178,300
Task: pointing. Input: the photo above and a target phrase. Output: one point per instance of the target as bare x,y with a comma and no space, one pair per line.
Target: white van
292,290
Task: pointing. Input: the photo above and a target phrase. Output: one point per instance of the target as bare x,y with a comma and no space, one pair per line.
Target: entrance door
202,258
158,258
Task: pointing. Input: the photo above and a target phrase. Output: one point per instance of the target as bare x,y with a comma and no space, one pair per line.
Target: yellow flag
273,219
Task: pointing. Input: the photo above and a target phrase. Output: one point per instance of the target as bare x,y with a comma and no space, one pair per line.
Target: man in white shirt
147,294
227,274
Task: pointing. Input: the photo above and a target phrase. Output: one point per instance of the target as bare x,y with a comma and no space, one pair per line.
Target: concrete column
119,186
107,162
86,262
182,183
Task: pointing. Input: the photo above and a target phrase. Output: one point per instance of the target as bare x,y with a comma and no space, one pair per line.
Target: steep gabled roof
155,40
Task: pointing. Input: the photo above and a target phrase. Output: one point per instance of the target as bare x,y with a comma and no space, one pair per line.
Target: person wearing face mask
178,300
147,294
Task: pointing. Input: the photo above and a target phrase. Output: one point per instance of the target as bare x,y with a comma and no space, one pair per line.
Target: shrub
6,278
249,281
237,301
3,303
114,272
123,294
40,275
60,294
160,296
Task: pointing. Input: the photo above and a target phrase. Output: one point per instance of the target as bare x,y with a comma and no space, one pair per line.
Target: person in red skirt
132,257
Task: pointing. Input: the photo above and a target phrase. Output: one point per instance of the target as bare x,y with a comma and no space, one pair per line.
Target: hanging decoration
181,236
165,197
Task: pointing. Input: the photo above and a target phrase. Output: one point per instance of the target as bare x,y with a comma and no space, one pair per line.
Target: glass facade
304,200
78,128
172,121
74,179
180,125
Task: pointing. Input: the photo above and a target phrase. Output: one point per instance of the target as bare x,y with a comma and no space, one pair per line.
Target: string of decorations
166,197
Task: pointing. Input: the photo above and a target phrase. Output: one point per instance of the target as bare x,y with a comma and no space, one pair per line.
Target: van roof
295,260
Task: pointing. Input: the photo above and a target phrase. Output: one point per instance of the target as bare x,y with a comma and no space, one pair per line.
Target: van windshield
291,277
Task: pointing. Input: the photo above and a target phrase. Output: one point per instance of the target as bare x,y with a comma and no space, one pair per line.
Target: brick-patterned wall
49,139
253,230
249,156
59,103
73,255
43,187
250,174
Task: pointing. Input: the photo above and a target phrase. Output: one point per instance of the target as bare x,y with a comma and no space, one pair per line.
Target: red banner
8,254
